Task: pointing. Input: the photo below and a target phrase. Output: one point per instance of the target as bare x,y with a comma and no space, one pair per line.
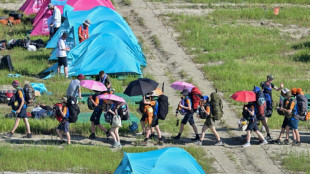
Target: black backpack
14,103
302,105
163,107
6,63
29,93
16,15
74,109
202,114
90,104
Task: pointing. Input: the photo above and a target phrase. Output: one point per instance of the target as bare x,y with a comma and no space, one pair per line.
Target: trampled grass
247,54
242,1
297,162
77,158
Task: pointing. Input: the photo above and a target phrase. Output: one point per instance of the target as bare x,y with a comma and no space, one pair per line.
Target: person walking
209,123
62,54
55,19
64,124
116,123
19,107
95,117
83,31
189,113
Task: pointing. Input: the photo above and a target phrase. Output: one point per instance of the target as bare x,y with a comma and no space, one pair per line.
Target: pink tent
31,6
41,20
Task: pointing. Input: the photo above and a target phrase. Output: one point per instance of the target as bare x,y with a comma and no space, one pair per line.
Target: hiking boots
196,138
268,138
29,135
92,136
220,143
143,143
160,143
246,144
278,141
176,137
198,143
296,143
264,142
9,135
286,141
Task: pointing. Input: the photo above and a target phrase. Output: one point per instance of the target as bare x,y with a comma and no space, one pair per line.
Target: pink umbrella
180,86
93,85
111,97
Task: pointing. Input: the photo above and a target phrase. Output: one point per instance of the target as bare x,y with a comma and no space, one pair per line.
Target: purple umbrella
180,86
93,85
111,97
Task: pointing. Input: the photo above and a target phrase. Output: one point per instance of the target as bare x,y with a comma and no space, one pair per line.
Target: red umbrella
244,96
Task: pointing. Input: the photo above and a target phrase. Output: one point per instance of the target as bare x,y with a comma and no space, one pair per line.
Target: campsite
218,46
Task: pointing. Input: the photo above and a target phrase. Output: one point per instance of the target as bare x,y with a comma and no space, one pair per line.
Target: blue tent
95,15
105,52
171,160
115,29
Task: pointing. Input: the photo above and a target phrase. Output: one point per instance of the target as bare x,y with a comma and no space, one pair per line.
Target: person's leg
143,126
117,135
281,133
194,128
66,71
260,136
58,69
68,137
148,132
102,128
15,125
297,135
158,131
287,128
27,125
59,134
93,128
113,134
181,128
215,133
203,132
264,123
248,136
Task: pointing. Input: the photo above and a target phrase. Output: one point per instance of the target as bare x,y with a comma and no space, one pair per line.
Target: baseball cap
185,92
80,77
15,83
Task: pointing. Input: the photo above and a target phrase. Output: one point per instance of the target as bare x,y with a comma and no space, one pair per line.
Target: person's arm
64,111
251,112
145,102
207,110
110,110
95,102
21,96
189,107
278,89
108,81
289,111
80,93
87,33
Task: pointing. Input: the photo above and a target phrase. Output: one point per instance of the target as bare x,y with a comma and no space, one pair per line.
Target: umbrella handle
163,87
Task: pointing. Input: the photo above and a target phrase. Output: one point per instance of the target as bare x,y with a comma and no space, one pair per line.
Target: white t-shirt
61,45
56,19
73,88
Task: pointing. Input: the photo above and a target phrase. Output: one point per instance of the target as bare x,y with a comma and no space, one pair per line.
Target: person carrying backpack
64,124
19,107
286,121
206,113
267,87
188,116
95,117
116,123
252,126
74,88
151,110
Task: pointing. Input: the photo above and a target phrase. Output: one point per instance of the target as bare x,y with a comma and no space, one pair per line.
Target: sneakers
296,143
264,142
220,143
176,137
115,145
268,138
246,144
92,136
198,143
286,141
119,145
9,135
62,141
29,135
143,143
278,141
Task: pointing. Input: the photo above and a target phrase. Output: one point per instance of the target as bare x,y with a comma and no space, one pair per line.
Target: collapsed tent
41,20
111,55
169,160
31,6
105,27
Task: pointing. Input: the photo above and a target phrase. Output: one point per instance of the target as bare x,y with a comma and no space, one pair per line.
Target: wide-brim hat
87,22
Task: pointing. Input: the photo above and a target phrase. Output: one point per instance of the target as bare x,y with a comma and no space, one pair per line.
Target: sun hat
15,83
87,22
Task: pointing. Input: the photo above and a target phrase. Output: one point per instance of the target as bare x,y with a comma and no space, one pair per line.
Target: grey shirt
73,88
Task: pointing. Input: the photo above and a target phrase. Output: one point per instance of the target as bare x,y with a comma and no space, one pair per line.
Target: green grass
77,158
242,1
298,162
249,53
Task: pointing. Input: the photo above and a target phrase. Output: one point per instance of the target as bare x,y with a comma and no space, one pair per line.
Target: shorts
210,121
64,125
154,121
95,117
252,125
143,117
294,123
259,117
22,113
188,118
285,122
62,61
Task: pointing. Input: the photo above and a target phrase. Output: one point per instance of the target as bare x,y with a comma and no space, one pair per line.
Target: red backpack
195,97
56,112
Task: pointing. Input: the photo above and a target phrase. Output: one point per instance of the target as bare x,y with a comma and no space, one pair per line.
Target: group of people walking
289,107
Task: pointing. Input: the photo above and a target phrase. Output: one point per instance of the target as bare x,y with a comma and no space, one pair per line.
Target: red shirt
83,32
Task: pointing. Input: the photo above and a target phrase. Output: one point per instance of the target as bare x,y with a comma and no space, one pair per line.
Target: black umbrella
141,86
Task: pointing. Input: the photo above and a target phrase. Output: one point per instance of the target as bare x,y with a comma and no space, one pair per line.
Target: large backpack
202,114
29,93
163,107
14,103
246,115
123,111
56,112
195,96
302,106
288,106
6,63
74,109
216,106
260,101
